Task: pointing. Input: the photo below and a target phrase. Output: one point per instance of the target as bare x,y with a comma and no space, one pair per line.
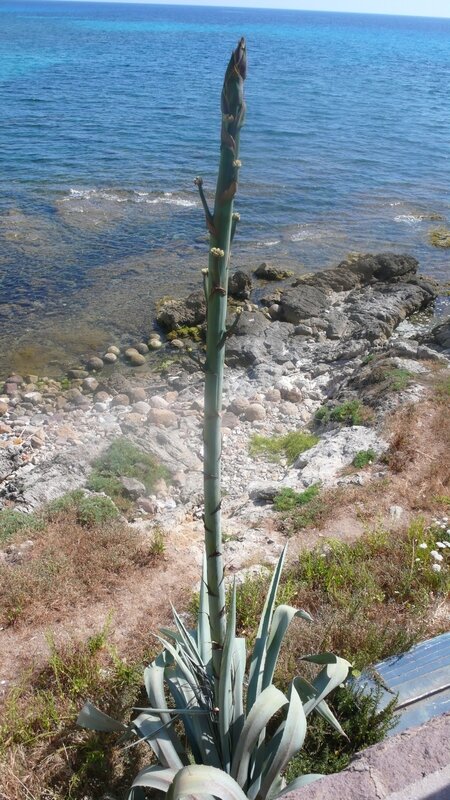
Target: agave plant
234,735
239,730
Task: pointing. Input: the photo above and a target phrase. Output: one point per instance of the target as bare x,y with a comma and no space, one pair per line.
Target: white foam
95,195
408,219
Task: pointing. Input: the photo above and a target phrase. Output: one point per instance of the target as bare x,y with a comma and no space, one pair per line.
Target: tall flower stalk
221,225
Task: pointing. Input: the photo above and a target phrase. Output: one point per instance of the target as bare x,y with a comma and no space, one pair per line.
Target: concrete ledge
413,765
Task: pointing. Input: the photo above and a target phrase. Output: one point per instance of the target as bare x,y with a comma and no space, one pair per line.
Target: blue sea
109,111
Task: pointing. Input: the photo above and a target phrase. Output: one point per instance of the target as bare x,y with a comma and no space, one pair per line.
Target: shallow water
111,110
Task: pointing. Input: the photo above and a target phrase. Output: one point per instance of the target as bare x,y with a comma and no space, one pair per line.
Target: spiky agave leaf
198,780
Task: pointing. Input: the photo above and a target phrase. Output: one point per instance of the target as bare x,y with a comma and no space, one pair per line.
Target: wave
79,198
410,219
268,243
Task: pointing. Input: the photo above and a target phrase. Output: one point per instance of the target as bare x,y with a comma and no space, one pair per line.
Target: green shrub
12,522
364,723
364,457
90,510
291,445
123,459
352,412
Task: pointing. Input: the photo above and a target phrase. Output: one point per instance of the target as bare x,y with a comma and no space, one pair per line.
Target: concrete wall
413,765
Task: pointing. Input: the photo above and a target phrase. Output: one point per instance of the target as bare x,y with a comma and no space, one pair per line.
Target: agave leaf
95,720
259,651
154,778
203,629
225,684
324,658
154,684
293,731
332,675
182,665
199,780
308,695
187,639
137,794
238,674
268,703
198,727
299,783
157,734
282,618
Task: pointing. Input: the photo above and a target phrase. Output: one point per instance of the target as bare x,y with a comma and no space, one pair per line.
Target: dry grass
43,754
70,564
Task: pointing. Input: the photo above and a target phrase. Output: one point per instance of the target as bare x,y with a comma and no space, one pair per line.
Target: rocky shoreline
309,343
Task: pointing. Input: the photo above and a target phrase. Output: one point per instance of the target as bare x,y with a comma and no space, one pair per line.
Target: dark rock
179,313
77,374
302,302
440,335
266,272
240,285
132,488
94,364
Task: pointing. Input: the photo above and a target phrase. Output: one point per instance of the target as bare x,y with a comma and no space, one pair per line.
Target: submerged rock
174,314
266,272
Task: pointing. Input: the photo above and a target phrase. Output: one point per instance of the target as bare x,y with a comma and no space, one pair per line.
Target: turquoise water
109,111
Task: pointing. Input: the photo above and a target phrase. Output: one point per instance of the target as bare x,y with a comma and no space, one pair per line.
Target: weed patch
352,412
288,499
88,510
291,445
124,459
364,457
13,522
369,599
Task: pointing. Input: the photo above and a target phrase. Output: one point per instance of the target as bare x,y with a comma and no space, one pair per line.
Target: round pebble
110,358
154,344
142,348
114,350
95,364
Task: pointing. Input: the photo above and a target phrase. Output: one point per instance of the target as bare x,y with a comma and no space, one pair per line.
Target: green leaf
238,675
156,733
268,703
203,629
259,651
299,783
282,618
332,675
225,684
308,694
293,732
200,780
155,778
95,720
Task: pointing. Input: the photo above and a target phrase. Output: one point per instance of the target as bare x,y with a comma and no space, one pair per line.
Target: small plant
364,457
352,412
288,499
158,545
123,459
12,522
399,379
361,719
291,445
90,510
186,332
